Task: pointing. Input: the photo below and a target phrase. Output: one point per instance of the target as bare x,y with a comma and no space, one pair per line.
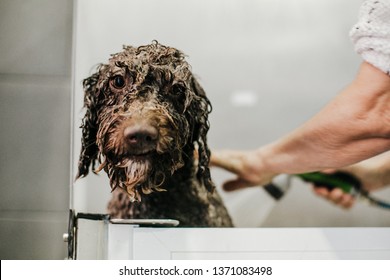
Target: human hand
336,196
247,165
373,174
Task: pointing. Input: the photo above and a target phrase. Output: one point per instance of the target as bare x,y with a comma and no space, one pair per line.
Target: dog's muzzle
140,138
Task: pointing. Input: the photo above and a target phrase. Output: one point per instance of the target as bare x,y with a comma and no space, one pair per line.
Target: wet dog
145,125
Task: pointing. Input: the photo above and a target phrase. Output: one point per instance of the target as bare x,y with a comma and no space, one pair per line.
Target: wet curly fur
145,124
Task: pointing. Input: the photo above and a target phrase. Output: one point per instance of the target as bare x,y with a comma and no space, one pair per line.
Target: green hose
341,180
345,181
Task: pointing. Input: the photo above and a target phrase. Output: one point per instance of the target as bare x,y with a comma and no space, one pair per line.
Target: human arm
354,126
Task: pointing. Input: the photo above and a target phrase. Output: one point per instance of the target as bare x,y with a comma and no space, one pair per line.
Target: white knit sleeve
371,35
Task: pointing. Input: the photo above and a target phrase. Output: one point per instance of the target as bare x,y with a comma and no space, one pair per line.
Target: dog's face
145,113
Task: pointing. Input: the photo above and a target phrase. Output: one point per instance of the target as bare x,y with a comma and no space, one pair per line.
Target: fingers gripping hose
345,181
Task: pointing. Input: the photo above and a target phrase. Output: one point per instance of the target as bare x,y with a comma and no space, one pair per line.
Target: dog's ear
201,125
89,148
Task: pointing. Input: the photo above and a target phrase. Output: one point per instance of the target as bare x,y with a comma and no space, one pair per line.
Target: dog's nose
141,137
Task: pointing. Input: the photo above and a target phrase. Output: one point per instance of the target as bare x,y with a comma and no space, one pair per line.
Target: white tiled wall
35,62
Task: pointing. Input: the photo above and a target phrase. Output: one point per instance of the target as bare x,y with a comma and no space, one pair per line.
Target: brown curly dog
146,122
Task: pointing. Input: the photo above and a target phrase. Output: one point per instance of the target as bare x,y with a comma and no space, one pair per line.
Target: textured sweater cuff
377,59
371,35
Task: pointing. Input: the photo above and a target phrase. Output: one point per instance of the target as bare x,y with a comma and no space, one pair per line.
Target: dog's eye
118,82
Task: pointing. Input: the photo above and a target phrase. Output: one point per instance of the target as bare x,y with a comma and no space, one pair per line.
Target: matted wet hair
164,88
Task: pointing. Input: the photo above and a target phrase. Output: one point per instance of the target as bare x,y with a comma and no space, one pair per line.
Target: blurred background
266,65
